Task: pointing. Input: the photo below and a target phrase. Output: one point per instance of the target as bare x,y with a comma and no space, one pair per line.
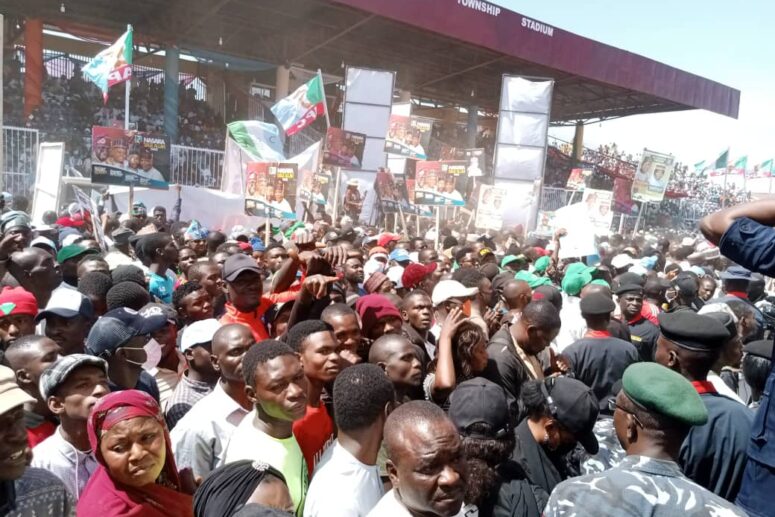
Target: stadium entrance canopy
447,52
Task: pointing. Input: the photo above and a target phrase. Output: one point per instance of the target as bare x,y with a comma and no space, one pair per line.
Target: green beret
73,251
693,331
662,391
540,265
532,280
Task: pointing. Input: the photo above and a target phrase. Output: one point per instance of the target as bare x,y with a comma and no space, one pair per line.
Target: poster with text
598,204
436,183
489,212
344,148
127,158
652,176
408,136
270,189
315,185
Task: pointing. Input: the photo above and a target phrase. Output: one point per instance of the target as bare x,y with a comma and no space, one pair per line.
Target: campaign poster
545,224
315,185
130,157
408,137
578,178
270,189
88,204
489,212
598,204
652,176
436,183
474,162
387,191
344,148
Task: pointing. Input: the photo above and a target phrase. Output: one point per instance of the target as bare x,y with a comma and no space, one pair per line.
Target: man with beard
425,464
643,333
417,313
318,350
353,278
276,386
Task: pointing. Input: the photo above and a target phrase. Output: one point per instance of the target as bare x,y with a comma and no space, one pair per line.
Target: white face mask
153,355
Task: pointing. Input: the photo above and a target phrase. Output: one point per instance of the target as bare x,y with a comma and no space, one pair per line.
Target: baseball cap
736,273
17,300
237,264
395,274
199,333
447,289
43,242
67,303
575,406
415,273
73,251
480,401
622,260
11,395
118,326
399,255
57,373
386,238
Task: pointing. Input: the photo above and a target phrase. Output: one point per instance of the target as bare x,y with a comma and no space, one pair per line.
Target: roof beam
333,38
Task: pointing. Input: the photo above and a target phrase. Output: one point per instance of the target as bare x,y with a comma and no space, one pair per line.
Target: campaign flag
719,166
740,165
248,141
302,107
700,167
764,169
111,66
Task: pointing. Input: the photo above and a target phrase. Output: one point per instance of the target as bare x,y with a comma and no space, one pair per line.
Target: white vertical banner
368,99
520,147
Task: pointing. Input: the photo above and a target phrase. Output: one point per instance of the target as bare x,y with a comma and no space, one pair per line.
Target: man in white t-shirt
425,464
346,481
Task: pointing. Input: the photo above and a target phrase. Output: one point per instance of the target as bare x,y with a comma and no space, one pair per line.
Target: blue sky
729,42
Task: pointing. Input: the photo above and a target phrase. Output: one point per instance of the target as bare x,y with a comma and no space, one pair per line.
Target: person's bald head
399,358
595,289
517,294
36,271
229,345
28,356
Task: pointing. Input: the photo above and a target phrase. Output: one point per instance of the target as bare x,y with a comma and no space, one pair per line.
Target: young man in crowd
200,376
714,454
400,360
28,357
36,271
199,439
516,294
170,361
245,292
643,333
192,303
420,276
346,479
420,438
651,425
352,270
318,350
68,259
158,254
446,295
208,274
417,313
18,309
27,490
71,386
276,386
347,331
67,317
95,287
378,316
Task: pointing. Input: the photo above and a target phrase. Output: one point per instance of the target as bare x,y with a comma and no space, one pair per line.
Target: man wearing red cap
18,309
419,276
378,316
388,240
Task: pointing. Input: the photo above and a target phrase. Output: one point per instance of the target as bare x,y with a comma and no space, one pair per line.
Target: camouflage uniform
638,486
610,453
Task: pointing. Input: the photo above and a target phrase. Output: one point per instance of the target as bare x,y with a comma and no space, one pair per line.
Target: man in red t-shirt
318,348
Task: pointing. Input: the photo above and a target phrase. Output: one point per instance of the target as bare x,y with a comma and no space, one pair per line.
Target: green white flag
111,66
740,165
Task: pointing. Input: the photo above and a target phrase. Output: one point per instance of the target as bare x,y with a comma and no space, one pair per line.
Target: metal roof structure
450,52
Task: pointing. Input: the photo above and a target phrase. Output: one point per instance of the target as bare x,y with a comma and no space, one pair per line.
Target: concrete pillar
473,125
171,86
282,82
578,141
33,66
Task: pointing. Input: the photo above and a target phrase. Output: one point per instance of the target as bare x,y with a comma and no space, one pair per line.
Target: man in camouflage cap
653,413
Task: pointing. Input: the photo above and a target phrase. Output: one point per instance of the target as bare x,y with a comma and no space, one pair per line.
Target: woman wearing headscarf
137,475
230,487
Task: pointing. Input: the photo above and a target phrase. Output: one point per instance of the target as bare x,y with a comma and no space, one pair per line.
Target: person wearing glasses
561,413
653,413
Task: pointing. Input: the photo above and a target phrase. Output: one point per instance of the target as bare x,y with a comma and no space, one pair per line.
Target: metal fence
20,155
195,166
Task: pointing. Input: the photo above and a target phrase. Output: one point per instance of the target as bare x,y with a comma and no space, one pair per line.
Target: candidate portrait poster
577,180
436,183
652,176
315,185
128,157
387,191
344,148
270,189
598,204
474,159
408,137
489,212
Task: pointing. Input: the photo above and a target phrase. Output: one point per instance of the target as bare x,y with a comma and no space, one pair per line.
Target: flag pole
127,89
325,102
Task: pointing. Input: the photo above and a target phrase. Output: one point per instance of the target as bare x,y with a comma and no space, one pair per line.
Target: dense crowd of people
333,368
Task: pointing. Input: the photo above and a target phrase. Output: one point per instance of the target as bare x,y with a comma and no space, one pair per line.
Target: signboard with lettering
270,189
121,157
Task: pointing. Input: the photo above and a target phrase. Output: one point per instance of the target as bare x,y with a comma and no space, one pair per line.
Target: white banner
489,211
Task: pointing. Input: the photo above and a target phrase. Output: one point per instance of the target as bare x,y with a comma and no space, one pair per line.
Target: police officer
653,413
643,333
713,455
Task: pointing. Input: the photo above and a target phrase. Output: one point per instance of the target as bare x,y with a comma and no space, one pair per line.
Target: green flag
111,66
722,160
740,165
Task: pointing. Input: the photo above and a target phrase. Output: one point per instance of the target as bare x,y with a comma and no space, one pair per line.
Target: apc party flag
740,165
111,66
302,107
719,166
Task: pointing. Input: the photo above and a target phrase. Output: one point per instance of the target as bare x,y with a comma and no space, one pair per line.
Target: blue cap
736,273
399,255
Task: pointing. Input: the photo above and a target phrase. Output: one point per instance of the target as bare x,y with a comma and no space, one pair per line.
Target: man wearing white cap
200,377
26,490
446,295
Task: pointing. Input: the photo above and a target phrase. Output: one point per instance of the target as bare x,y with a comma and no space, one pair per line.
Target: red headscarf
105,497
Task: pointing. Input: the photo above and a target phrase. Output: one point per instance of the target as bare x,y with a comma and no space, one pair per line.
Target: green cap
540,265
508,259
600,281
532,280
72,251
661,390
